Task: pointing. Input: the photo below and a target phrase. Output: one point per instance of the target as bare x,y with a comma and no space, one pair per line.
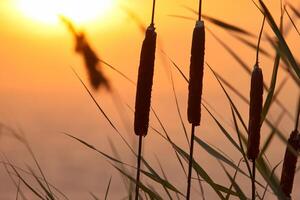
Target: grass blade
271,92
222,24
107,189
285,48
239,191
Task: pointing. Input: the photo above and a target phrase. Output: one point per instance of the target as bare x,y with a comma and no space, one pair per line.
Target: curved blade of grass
118,71
94,196
187,81
217,155
295,10
294,25
239,191
178,109
223,130
234,178
268,122
48,193
26,184
229,99
133,16
272,180
163,182
283,44
97,150
252,45
182,152
261,164
271,92
165,177
243,140
153,175
13,180
107,189
103,113
201,171
23,140
30,174
18,189
269,139
222,24
240,138
167,135
272,173
151,194
128,185
206,178
201,187
246,67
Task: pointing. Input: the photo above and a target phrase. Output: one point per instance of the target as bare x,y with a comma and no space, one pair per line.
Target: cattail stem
190,163
259,39
153,12
297,115
200,10
253,180
139,158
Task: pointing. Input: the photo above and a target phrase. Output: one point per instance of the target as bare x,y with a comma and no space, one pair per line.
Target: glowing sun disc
80,11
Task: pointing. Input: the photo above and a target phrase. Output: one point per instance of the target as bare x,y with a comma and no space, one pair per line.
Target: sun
79,11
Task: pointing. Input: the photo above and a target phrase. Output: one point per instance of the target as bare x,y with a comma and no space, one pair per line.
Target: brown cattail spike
145,81
196,74
256,102
289,165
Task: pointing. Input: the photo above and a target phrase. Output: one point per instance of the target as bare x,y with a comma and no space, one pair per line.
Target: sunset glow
79,11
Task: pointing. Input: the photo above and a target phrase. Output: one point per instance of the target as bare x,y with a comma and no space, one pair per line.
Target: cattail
195,87
256,103
143,92
91,60
289,164
196,74
145,81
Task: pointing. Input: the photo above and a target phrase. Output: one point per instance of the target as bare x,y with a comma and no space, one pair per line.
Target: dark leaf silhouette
92,62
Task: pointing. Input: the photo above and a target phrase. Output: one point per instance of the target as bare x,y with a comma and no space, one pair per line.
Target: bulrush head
256,104
289,164
196,74
255,109
145,81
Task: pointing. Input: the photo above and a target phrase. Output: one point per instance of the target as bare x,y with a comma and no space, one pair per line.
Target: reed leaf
283,44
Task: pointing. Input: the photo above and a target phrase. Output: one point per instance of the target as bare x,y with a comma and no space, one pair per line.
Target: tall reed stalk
195,87
143,92
256,105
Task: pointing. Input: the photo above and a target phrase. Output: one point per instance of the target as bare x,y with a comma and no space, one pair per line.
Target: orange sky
40,93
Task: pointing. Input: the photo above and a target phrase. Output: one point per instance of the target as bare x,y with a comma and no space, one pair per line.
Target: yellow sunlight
47,11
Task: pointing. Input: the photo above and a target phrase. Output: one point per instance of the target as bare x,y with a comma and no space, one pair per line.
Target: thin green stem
137,188
190,163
